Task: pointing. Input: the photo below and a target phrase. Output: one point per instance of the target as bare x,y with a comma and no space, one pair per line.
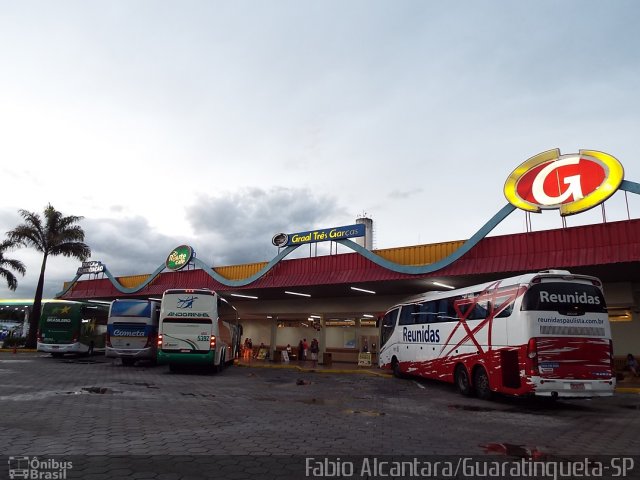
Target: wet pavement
104,415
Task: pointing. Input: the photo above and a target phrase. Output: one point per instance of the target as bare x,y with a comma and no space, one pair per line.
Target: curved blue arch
504,212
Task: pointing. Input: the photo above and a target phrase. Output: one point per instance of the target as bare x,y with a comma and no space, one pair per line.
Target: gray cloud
230,229
238,227
403,194
128,246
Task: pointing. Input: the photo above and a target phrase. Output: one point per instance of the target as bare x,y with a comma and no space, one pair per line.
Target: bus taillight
532,357
159,340
75,338
39,335
212,342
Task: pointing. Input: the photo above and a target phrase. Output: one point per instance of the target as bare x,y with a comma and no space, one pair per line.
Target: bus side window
427,312
407,316
500,303
446,311
480,310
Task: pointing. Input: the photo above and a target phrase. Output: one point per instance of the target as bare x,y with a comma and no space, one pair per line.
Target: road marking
419,385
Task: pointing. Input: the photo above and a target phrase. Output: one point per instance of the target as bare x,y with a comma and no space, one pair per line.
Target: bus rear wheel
218,368
462,381
481,383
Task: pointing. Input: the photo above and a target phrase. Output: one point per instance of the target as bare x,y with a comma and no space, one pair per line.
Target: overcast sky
219,124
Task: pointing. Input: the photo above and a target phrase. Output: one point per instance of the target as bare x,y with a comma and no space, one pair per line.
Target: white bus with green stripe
197,328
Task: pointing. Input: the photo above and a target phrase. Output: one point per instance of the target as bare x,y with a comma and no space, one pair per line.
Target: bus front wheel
395,367
462,381
481,383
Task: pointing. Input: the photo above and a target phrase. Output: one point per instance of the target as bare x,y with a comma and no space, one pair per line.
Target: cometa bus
543,334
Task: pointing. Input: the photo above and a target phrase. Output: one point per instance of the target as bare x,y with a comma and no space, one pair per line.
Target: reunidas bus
72,327
197,327
545,334
132,330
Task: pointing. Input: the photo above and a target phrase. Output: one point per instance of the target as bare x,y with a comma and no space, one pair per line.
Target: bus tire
220,365
462,381
481,383
395,367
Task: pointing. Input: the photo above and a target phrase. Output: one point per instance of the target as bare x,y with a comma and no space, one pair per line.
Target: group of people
247,348
306,351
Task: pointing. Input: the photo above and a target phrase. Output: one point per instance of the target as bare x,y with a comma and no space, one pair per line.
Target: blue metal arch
504,212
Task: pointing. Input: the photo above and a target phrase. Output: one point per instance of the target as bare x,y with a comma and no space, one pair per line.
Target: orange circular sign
570,183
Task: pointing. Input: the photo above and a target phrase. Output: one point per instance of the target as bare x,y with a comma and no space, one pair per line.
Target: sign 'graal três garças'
571,183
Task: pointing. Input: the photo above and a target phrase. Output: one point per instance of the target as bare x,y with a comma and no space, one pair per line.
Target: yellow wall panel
240,272
132,281
420,254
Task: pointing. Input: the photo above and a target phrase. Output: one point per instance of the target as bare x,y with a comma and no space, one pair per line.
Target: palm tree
56,235
7,264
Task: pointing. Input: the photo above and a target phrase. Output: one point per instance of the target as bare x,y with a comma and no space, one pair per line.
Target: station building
338,297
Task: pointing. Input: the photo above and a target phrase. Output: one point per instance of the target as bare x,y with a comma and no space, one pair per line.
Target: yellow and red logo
571,183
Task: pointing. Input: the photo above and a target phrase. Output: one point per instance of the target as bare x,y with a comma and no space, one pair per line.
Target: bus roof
524,279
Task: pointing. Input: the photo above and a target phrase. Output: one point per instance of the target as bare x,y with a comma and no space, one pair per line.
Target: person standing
301,351
315,348
632,363
305,346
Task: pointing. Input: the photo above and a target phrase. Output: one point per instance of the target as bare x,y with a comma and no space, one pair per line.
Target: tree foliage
53,234
8,264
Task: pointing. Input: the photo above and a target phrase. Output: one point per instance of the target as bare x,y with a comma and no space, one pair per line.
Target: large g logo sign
571,183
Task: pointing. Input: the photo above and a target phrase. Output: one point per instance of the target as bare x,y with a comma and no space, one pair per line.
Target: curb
318,370
627,389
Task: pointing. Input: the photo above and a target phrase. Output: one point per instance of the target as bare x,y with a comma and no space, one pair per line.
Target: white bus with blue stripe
132,330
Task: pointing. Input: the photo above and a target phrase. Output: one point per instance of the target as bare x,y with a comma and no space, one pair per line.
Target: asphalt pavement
268,421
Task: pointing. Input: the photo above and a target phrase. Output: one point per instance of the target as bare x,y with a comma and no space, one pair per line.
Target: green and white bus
197,327
72,327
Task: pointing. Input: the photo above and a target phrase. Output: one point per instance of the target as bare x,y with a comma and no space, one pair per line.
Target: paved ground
144,422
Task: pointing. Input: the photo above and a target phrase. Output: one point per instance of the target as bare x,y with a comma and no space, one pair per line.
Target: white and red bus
545,334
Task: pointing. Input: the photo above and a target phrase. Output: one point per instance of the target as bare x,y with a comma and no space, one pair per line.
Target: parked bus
197,327
132,330
72,327
545,334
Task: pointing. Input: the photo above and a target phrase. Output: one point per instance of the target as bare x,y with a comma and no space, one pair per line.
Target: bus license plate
185,350
577,386
55,347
